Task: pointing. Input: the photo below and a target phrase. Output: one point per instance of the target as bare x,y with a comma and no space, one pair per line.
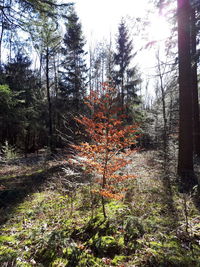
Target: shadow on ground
15,189
168,179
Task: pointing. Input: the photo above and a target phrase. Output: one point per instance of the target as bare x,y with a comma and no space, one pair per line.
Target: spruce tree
73,78
22,116
125,77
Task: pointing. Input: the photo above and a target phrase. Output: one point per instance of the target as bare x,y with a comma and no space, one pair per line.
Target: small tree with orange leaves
109,137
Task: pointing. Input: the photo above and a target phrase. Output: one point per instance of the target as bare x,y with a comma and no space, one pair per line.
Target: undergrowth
151,227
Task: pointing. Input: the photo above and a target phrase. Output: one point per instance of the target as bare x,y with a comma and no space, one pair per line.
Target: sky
100,20
101,17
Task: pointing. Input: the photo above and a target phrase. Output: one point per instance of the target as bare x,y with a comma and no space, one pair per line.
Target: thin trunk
49,101
1,35
122,91
40,70
55,77
26,141
170,111
1,39
104,175
164,116
105,165
90,71
76,84
10,44
102,70
11,35
160,74
109,62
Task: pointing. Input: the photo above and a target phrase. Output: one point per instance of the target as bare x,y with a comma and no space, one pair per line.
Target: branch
12,23
57,5
39,2
3,7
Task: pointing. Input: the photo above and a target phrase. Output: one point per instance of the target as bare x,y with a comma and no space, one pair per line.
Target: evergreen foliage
126,77
73,78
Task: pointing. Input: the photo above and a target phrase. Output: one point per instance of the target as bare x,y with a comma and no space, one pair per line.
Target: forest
99,163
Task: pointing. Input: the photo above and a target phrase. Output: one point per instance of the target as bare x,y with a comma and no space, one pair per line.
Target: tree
22,115
122,58
185,156
17,15
101,67
48,7
46,39
194,81
7,104
73,78
109,136
125,77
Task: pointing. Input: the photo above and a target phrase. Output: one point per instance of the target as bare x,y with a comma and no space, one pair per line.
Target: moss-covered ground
47,221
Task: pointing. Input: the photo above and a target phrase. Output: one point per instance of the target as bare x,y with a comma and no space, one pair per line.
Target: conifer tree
73,81
125,76
22,116
46,39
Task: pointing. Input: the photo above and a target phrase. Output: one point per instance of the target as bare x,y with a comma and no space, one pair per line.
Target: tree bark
50,143
185,156
1,36
160,75
195,84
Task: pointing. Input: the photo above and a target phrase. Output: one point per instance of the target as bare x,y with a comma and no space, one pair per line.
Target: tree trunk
1,35
49,102
185,156
163,111
195,84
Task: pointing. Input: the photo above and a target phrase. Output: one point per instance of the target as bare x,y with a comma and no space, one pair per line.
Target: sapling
109,136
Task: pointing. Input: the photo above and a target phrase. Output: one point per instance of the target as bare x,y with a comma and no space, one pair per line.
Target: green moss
8,177
89,260
59,262
7,254
106,246
72,254
23,264
141,233
6,239
34,172
118,259
133,229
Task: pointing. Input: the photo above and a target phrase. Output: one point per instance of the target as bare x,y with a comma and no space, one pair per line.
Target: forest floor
49,217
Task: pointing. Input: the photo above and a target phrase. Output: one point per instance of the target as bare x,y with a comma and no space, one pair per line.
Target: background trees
46,88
